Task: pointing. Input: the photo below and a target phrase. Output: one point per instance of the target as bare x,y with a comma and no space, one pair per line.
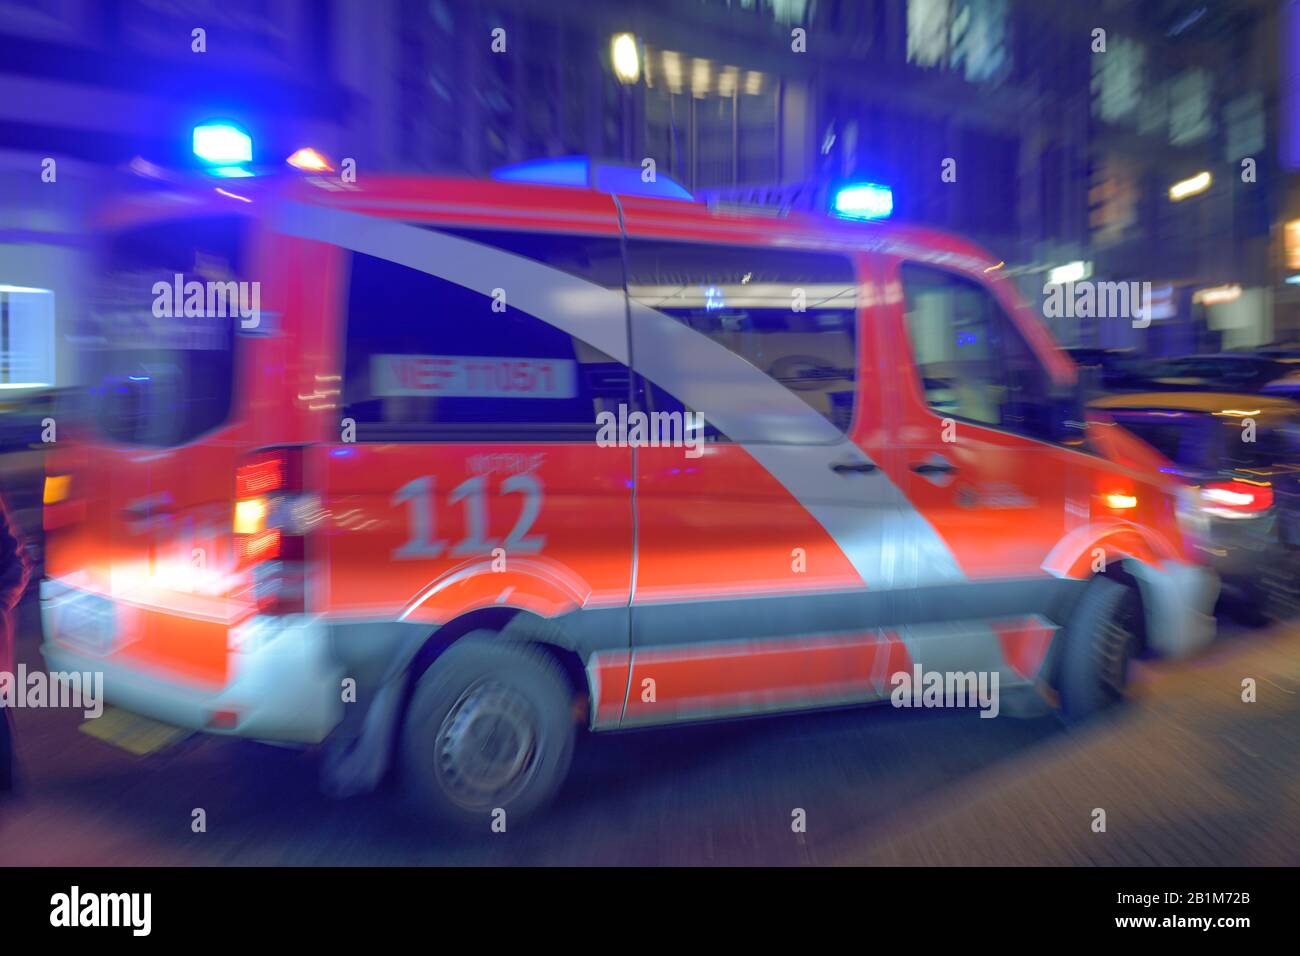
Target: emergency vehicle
374,515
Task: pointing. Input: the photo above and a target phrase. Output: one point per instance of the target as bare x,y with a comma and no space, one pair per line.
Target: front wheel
489,728
1100,640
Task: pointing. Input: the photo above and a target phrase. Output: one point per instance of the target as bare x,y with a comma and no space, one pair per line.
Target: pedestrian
15,569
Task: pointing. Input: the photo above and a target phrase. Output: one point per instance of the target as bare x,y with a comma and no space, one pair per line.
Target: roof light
864,201
222,144
558,171
309,160
580,171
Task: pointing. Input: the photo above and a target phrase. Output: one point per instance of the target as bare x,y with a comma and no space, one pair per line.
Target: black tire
490,725
1100,641
1277,595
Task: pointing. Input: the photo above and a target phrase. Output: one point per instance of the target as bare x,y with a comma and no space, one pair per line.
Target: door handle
849,467
934,468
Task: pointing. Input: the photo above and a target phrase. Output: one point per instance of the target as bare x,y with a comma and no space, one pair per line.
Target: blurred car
1231,372
1247,491
22,417
1115,367
1281,350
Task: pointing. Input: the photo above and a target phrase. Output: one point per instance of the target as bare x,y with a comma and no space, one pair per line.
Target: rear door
148,516
463,474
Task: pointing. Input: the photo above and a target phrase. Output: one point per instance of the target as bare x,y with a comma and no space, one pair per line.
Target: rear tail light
271,516
1236,499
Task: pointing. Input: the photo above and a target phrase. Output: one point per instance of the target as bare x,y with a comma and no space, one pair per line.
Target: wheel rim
486,748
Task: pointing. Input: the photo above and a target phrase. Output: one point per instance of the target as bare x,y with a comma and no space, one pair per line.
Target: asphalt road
1187,774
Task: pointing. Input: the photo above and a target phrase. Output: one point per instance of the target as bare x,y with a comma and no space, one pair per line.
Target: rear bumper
283,687
1179,603
1239,549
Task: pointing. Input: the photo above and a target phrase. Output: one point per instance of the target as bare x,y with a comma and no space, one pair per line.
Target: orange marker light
56,488
309,160
1121,502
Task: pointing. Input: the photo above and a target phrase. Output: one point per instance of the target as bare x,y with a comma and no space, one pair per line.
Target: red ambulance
434,472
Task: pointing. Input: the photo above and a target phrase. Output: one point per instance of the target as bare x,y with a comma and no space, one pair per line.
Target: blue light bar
559,171
581,172
864,201
222,144
626,181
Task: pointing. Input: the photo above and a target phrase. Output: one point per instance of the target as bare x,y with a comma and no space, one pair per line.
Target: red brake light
268,536
1236,499
260,477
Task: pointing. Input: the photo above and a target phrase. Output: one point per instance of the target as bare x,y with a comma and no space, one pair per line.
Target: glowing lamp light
1121,502
1075,271
1190,187
222,144
1217,295
625,57
864,201
56,489
250,516
308,160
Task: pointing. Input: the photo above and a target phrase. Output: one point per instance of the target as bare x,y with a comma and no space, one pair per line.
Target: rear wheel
1100,641
489,727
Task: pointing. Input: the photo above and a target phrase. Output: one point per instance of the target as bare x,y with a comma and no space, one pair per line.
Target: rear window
159,340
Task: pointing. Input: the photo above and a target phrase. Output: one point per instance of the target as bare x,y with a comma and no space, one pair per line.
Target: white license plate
87,622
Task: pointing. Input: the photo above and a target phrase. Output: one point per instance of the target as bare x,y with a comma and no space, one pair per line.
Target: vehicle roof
1206,402
415,197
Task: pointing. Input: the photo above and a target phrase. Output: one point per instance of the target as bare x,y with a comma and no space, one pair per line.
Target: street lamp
626,58
1190,187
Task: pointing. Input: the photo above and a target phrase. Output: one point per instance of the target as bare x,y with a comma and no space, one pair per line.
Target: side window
790,314
429,360
973,362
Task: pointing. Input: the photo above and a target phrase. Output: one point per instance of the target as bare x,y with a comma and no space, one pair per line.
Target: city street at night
847,443
1191,776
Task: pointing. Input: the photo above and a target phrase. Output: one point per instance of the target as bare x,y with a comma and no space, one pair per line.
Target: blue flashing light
229,172
581,172
864,201
626,181
559,171
222,144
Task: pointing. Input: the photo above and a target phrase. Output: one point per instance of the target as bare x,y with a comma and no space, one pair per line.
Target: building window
26,337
